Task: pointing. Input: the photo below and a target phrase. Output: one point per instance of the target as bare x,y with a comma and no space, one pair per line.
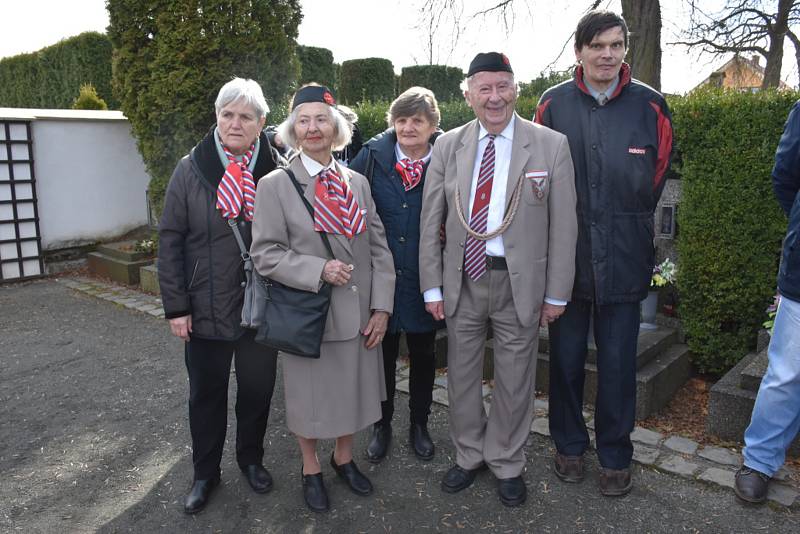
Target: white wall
90,178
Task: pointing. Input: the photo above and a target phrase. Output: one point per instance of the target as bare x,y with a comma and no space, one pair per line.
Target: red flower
328,98
505,59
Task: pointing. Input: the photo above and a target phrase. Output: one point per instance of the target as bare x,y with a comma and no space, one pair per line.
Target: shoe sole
617,492
451,490
748,500
512,502
375,461
198,510
569,479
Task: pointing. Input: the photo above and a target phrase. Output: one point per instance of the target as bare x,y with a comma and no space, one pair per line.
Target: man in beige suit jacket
504,189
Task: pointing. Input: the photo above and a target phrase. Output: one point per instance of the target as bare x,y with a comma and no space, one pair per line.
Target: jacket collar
206,160
624,80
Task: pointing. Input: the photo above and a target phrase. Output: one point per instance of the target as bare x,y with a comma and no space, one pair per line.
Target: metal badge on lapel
538,181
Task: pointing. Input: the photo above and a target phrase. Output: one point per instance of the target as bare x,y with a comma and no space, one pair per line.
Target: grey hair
342,129
244,89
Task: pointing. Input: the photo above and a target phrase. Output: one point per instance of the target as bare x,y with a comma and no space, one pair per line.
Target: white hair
342,128
466,81
244,89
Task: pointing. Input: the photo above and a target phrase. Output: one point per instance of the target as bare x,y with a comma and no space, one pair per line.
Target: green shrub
444,81
169,68
316,65
730,224
88,99
369,79
48,78
543,82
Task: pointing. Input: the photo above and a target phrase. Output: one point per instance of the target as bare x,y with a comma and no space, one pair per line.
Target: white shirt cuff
433,294
555,302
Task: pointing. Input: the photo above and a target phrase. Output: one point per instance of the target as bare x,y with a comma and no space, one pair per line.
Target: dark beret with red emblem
491,62
313,93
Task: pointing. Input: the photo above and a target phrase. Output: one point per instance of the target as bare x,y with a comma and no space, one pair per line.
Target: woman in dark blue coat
395,162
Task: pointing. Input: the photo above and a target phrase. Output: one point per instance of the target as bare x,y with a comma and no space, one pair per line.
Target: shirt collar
313,167
507,133
608,92
401,156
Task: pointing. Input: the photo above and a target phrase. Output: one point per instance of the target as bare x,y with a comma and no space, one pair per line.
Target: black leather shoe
379,443
751,485
356,481
197,498
314,492
457,478
258,478
421,441
512,491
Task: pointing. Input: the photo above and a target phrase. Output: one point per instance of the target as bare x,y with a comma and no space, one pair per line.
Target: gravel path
95,438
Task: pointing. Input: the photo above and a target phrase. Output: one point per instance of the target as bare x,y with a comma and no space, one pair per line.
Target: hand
336,272
376,329
181,327
436,309
550,312
278,141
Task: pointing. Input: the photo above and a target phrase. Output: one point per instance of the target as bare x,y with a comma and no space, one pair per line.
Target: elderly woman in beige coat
339,393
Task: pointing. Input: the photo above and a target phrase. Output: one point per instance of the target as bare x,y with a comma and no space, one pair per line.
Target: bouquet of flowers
663,274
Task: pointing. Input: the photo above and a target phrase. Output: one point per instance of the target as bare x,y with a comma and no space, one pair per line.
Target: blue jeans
776,414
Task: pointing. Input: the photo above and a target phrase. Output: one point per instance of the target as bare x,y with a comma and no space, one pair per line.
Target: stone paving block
133,304
440,396
487,407
721,477
541,404
644,454
681,445
782,494
404,371
486,390
156,312
590,424
720,455
678,466
402,385
540,426
648,437
146,307
441,381
782,475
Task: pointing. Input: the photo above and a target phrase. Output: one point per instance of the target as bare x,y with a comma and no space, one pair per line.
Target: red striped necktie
237,186
475,250
336,210
410,172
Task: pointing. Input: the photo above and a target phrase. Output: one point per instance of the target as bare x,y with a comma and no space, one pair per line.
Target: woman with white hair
340,393
200,272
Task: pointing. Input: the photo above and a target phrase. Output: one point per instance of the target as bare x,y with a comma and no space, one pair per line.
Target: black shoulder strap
310,209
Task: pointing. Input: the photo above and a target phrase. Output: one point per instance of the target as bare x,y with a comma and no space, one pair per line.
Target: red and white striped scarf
410,172
336,210
237,186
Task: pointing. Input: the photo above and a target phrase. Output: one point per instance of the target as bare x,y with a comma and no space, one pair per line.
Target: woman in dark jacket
395,162
200,274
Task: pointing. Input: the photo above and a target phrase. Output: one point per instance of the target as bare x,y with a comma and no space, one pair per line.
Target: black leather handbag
294,319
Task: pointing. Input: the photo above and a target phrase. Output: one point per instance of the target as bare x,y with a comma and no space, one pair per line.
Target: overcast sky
388,28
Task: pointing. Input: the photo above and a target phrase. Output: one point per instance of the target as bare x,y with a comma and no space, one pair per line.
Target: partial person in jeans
201,276
776,414
395,163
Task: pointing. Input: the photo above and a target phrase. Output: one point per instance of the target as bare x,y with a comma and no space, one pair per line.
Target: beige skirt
338,394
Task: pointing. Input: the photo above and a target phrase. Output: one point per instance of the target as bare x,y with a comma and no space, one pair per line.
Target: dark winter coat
621,152
399,211
786,184
200,268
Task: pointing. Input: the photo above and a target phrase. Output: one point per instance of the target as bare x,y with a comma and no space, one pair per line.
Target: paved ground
94,438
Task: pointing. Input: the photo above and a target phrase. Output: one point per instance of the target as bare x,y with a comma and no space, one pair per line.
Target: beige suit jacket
540,242
287,249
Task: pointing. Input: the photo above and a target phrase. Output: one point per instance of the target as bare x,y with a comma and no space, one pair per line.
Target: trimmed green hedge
444,81
370,79
372,115
730,224
51,77
316,65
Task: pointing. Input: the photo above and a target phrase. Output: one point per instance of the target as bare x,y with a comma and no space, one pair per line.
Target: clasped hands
338,273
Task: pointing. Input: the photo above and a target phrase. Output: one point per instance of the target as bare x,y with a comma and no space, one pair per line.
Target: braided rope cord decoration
509,217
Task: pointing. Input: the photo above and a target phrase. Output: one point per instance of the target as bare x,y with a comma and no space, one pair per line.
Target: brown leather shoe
751,485
615,482
569,468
